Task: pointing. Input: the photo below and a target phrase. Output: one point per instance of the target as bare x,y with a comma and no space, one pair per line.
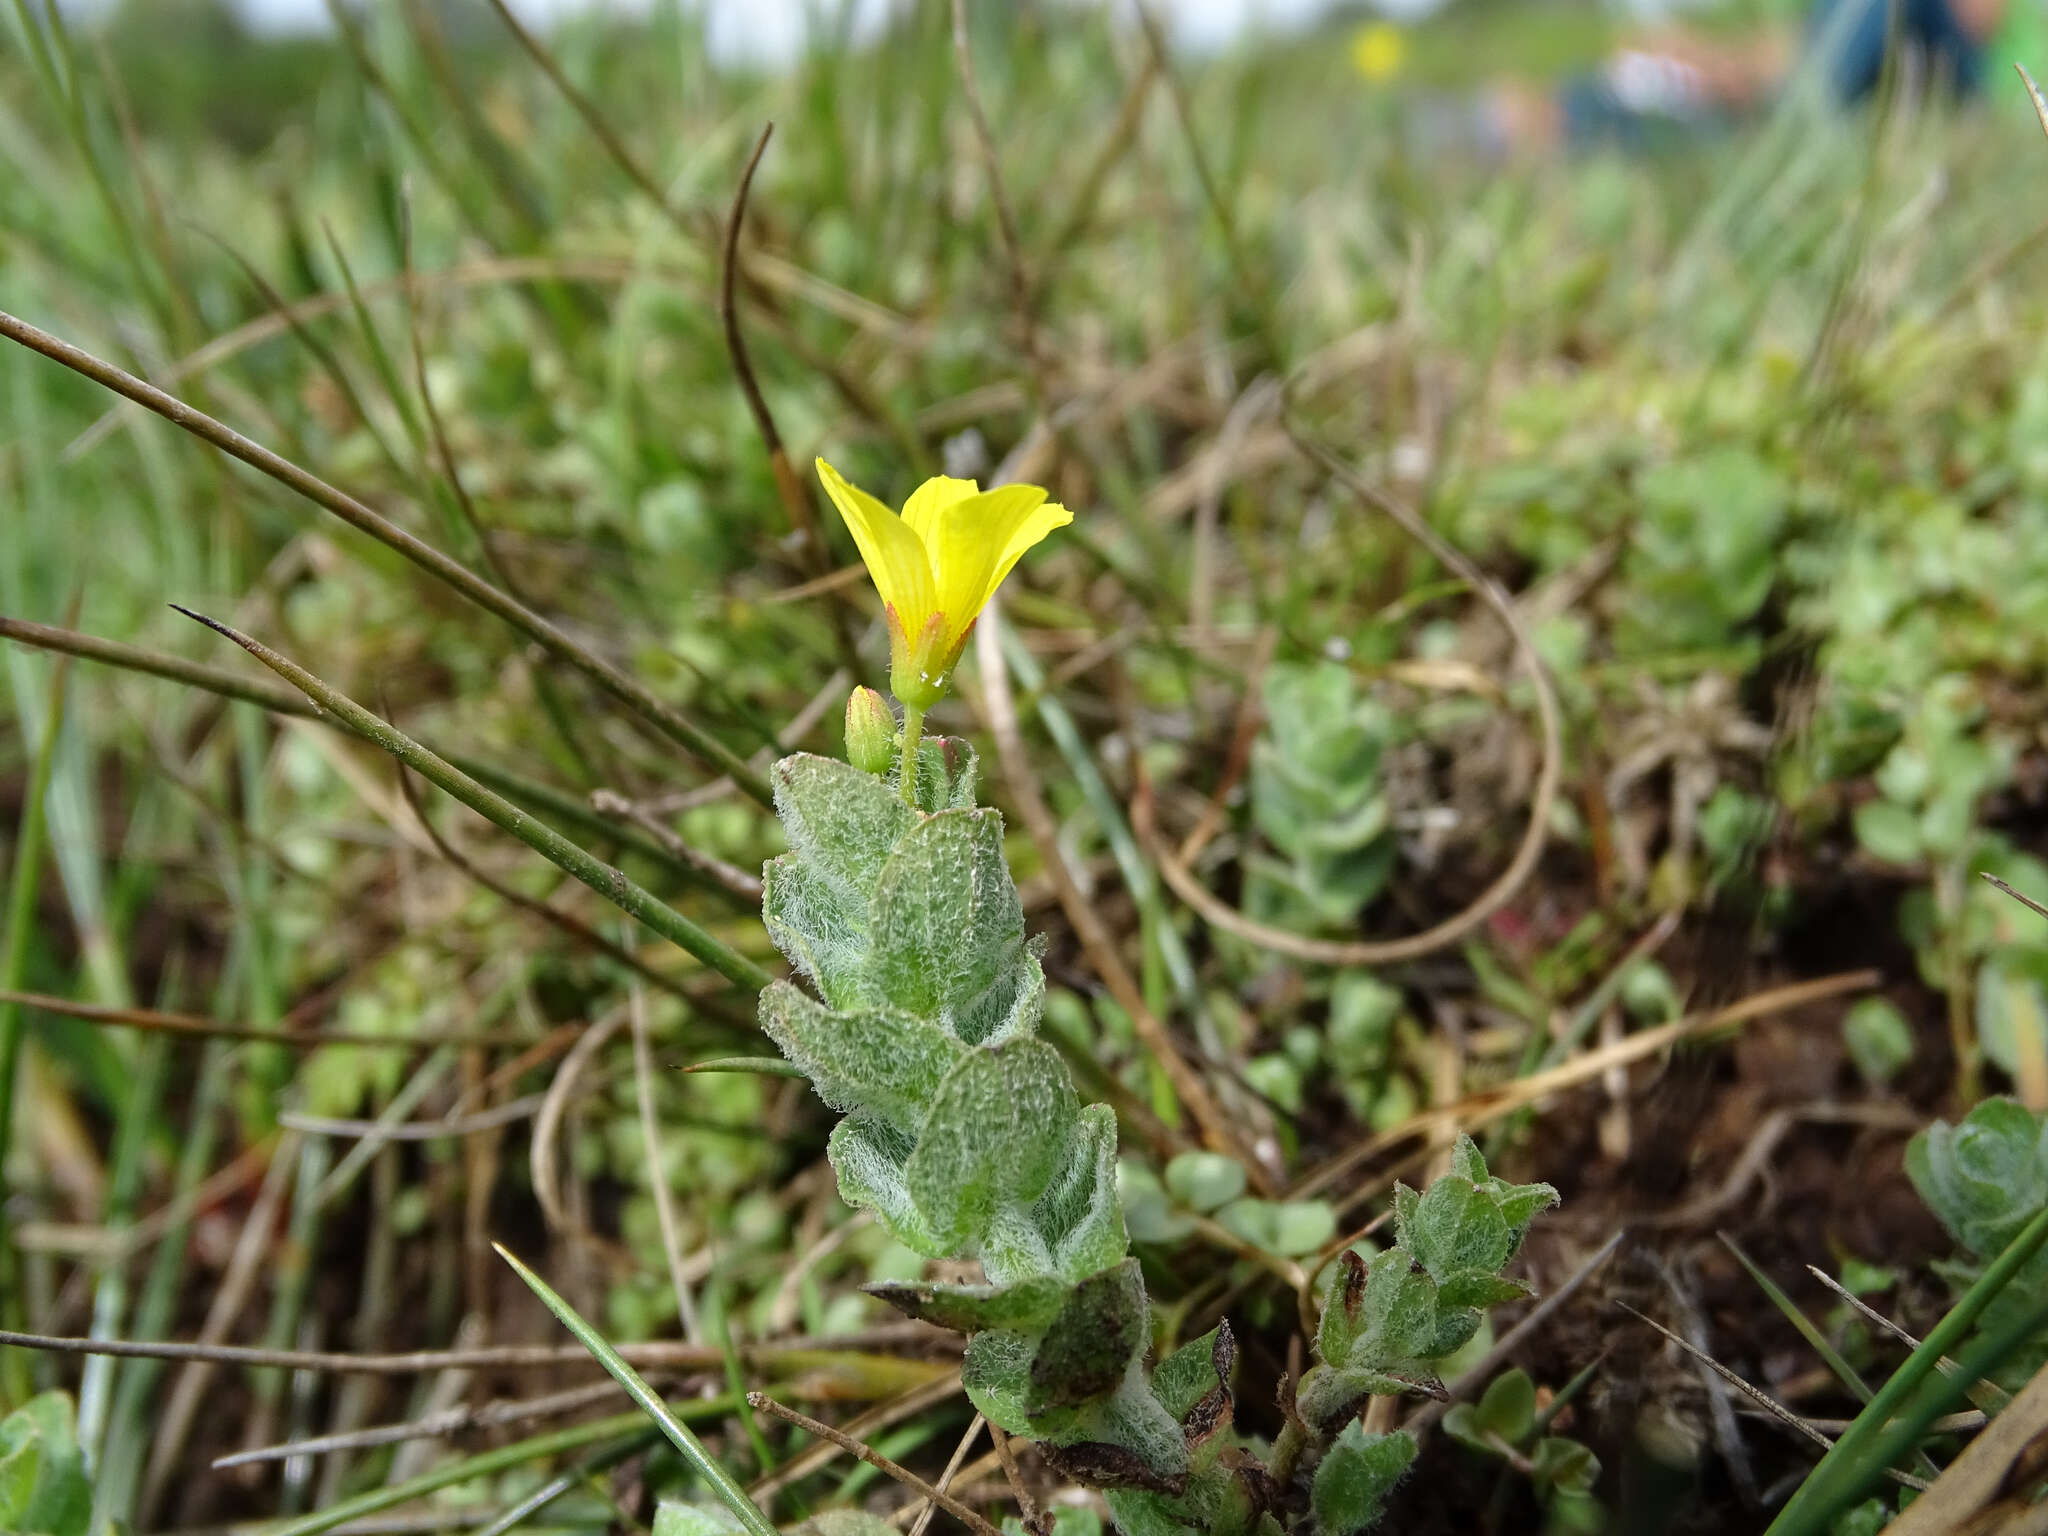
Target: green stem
612,884
1880,1430
728,1492
15,1385
913,733
282,701
626,689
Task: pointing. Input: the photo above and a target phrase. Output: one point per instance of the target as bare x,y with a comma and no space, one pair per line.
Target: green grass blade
628,690
1843,1370
729,1492
1883,1428
15,1385
633,899
760,1066
283,701
489,1464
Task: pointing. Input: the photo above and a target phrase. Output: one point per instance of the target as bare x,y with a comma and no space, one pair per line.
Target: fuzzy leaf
1467,1161
1078,1219
1343,1316
1330,1394
1101,1328
823,933
945,923
1398,1312
841,822
1520,1204
884,1063
869,1157
1027,1306
673,1519
1457,1225
43,1485
1454,1329
1352,1484
996,1372
1217,1501
1011,1005
1150,1450
946,772
1985,1176
1479,1288
1187,1375
995,1134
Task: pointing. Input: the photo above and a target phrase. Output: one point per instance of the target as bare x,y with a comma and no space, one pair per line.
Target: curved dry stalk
561,1089
1029,796
415,1130
880,1417
429,1427
796,500
657,1180
946,1477
1353,952
493,271
1475,1110
874,1458
1757,1395
628,690
1006,219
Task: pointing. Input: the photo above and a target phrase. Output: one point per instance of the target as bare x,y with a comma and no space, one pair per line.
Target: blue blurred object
1641,99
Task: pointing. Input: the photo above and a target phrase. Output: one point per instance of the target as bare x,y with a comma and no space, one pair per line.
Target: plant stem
913,733
610,883
722,1485
15,1386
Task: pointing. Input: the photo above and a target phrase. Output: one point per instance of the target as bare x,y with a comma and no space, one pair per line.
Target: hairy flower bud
870,731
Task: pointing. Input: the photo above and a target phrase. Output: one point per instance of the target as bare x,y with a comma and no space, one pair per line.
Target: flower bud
870,731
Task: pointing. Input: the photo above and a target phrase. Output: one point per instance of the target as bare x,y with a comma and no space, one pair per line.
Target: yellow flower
938,564
1377,49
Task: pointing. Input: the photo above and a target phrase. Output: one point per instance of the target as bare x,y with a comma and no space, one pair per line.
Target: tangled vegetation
1540,659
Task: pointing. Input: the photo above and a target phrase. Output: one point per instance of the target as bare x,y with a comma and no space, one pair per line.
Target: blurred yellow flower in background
1378,50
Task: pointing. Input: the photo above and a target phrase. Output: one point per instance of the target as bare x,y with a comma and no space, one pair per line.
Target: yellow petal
1042,521
894,556
974,547
932,498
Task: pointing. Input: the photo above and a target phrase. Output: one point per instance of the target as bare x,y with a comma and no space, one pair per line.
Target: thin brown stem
796,500
763,1403
1006,219
1029,796
209,1029
1027,1506
627,689
432,1426
805,1354
1352,952
946,1477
